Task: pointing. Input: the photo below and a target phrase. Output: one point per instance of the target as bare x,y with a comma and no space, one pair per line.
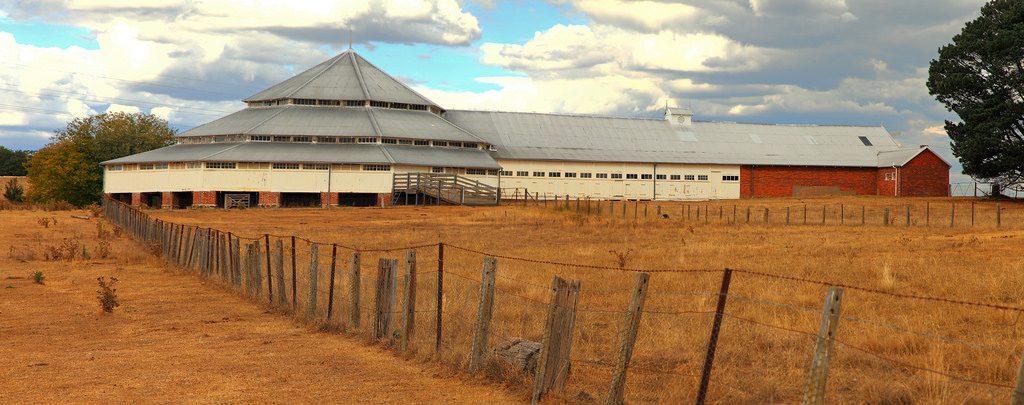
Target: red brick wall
328,199
204,198
166,199
926,175
886,187
383,199
269,199
136,199
779,181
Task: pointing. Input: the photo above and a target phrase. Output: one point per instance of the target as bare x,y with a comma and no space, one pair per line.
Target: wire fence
667,335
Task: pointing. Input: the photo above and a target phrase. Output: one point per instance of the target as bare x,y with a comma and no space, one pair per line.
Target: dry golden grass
765,345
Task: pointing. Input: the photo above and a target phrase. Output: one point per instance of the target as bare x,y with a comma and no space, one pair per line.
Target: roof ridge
562,114
359,73
334,61
221,151
264,121
373,121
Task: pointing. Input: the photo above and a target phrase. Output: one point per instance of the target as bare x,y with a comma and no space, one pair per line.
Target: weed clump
38,277
107,294
67,251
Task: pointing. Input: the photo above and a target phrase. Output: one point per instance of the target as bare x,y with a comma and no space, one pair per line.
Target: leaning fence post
314,272
627,339
485,309
817,374
553,363
716,327
330,283
440,296
409,303
353,291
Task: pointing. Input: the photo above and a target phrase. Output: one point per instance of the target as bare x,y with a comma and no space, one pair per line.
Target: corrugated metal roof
315,153
589,138
334,121
347,76
903,156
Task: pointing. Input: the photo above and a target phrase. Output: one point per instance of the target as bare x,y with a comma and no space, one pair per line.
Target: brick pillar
384,199
269,199
204,198
167,200
136,199
328,199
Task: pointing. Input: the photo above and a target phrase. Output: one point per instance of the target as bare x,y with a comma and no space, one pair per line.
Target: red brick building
909,173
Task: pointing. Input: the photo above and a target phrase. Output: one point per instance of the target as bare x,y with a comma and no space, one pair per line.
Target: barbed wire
583,266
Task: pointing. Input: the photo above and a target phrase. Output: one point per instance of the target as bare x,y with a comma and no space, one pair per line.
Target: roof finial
350,39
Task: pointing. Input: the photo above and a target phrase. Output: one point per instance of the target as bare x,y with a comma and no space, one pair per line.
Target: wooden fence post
353,291
485,309
908,215
885,217
823,214
295,294
409,302
314,273
817,374
384,298
330,283
999,216
805,214
257,273
766,215
787,215
972,213
842,214
282,299
748,215
616,393
952,214
928,213
553,363
716,327
863,212
440,297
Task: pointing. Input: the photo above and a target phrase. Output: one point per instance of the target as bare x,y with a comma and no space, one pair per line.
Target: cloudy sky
858,62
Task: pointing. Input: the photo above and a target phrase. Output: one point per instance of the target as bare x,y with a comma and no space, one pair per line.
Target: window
367,140
440,143
377,168
437,170
616,175
303,101
455,144
890,176
702,177
328,102
346,140
865,140
469,145
354,103
477,172
675,177
326,139
378,104
220,165
389,141
150,167
420,142
689,177
602,175
115,168
160,166
193,165
538,174
522,174
350,168
586,175
260,138
286,166
315,166
506,173
302,139
282,139
631,176
730,178
646,176
661,177
570,175
554,174
405,141
492,172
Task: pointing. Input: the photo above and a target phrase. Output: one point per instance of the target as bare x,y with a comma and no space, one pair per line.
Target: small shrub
44,222
101,231
38,277
621,258
107,294
14,192
67,250
103,250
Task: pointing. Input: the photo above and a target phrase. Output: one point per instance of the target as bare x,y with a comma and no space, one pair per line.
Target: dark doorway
152,200
122,197
294,200
181,200
357,199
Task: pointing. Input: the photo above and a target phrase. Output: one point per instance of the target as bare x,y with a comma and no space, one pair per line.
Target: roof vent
679,116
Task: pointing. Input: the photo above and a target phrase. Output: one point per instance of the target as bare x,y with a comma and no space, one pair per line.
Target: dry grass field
889,348
174,338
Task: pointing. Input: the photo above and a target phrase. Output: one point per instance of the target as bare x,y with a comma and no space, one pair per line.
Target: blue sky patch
46,35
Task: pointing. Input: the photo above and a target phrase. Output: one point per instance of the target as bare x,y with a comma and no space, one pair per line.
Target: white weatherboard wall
242,179
608,188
